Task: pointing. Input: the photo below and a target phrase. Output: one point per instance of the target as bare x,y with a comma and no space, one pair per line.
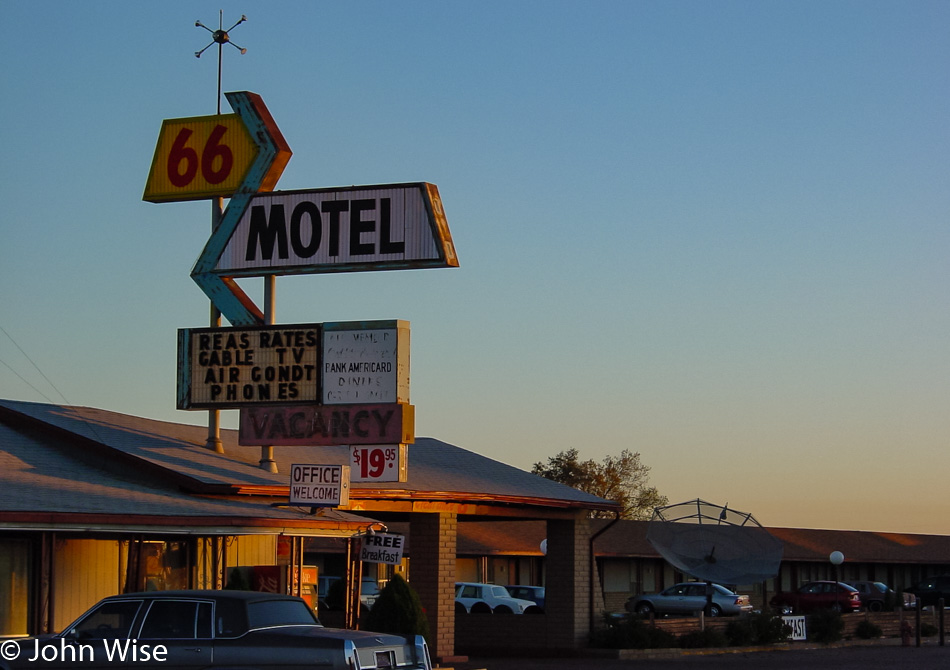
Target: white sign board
319,485
797,625
379,227
379,463
365,362
383,548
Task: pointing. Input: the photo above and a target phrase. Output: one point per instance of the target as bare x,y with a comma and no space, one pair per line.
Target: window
265,613
15,574
469,591
110,621
176,620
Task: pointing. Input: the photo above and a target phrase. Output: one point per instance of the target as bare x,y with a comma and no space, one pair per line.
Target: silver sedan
688,598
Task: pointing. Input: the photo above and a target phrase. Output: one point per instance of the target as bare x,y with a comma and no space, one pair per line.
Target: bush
867,630
826,626
632,633
398,610
764,628
700,639
928,629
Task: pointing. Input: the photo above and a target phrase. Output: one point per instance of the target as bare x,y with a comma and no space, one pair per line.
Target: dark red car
812,596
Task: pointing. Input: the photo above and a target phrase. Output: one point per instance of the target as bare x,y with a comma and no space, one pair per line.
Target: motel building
95,503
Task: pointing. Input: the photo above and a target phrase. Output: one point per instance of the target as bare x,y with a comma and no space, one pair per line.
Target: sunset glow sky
715,233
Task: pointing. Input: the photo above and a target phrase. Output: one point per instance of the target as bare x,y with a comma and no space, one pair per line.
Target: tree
398,610
622,479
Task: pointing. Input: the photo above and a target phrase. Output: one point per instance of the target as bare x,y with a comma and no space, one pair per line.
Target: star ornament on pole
221,36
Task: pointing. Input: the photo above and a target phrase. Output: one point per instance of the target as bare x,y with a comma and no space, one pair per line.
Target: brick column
567,581
432,538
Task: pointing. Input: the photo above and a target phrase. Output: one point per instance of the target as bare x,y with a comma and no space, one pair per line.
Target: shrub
699,639
867,630
826,626
631,633
763,628
928,629
398,610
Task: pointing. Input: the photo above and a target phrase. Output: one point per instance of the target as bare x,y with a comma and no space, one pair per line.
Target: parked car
331,592
369,592
687,598
212,629
532,593
476,597
878,596
932,589
819,595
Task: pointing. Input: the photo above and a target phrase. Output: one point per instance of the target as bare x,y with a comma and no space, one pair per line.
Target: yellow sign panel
200,157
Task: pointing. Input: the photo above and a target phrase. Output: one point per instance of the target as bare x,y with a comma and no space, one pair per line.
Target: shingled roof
628,539
63,458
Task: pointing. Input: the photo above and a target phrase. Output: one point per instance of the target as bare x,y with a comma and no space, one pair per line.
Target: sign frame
333,493
189,366
313,425
351,349
385,548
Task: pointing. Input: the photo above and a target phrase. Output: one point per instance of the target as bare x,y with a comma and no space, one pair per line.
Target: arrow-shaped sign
272,156
347,229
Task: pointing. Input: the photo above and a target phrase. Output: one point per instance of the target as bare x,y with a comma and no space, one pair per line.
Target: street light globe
836,558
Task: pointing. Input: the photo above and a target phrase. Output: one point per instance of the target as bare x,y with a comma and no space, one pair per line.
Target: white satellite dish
714,543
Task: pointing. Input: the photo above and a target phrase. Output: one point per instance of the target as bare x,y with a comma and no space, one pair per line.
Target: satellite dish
714,543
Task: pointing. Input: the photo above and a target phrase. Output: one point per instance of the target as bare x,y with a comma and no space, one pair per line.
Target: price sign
200,157
379,463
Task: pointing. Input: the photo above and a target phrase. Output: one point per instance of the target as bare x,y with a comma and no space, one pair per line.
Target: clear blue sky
715,233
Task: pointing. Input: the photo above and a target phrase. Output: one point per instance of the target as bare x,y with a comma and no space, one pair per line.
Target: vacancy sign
319,485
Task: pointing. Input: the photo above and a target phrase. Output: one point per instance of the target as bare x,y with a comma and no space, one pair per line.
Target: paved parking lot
874,657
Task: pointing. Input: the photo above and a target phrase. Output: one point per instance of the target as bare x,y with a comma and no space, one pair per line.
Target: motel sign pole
221,37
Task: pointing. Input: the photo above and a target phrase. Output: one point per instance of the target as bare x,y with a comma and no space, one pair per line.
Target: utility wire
35,366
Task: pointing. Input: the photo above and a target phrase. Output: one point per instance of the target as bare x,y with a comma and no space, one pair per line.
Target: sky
714,233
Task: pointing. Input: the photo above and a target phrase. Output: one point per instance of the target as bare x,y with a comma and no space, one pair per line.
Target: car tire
480,608
875,606
715,610
460,608
836,608
534,609
502,609
643,609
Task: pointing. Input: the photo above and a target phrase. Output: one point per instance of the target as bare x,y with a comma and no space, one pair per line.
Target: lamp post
836,558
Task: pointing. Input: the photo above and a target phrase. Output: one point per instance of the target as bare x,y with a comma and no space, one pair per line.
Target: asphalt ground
887,655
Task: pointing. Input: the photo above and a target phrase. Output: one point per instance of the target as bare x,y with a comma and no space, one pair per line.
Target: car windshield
880,587
723,590
265,613
500,592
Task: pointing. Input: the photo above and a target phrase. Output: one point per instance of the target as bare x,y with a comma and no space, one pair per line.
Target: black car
211,629
932,589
